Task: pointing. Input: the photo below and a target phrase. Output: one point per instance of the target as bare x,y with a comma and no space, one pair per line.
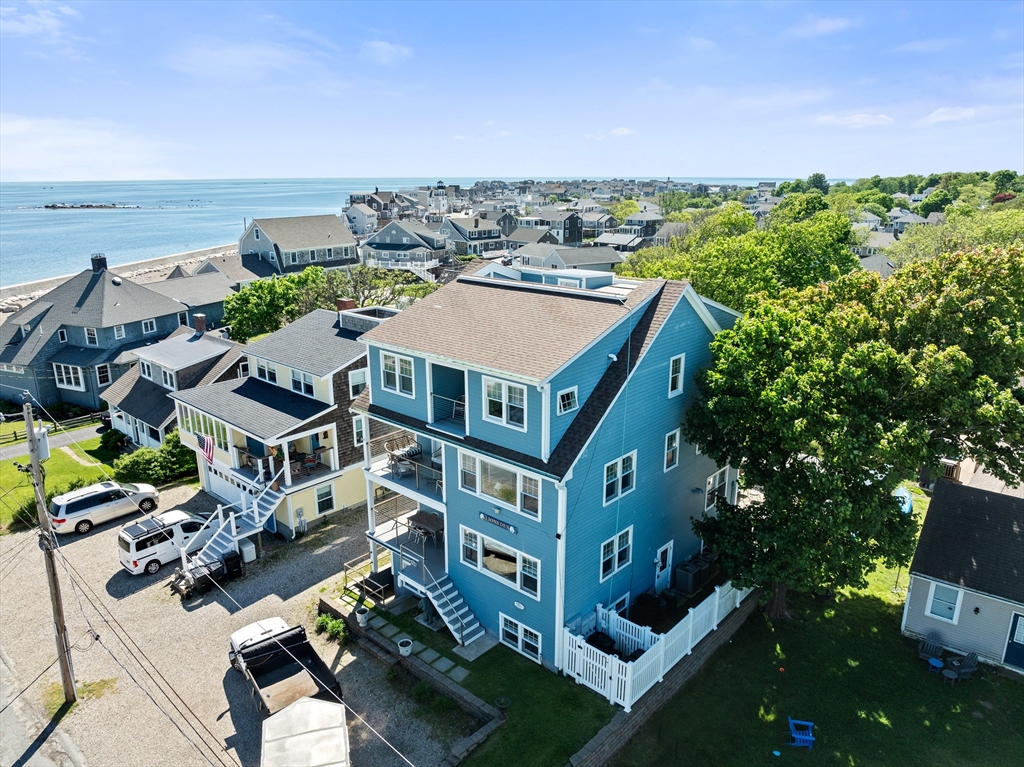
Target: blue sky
121,90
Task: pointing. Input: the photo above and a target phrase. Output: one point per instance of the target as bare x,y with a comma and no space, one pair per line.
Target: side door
1014,655
190,541
663,568
108,505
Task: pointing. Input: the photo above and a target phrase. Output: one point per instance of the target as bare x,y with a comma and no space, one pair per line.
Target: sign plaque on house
499,523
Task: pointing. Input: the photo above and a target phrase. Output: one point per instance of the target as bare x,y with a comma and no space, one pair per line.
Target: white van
149,543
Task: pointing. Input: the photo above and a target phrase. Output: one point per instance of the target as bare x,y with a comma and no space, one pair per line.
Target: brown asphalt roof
306,231
478,324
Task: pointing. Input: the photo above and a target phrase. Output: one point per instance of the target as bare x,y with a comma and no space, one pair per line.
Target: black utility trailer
199,578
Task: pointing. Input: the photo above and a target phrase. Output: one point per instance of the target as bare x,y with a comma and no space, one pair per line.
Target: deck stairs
233,524
422,273
456,614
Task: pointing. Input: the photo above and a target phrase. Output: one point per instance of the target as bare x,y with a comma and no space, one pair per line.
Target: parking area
132,720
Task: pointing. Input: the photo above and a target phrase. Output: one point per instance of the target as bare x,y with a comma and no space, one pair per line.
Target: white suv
154,541
81,509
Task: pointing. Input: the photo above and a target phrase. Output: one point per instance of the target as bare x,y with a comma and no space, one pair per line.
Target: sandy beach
15,297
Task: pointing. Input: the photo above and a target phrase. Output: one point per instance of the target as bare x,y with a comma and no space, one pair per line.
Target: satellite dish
115,280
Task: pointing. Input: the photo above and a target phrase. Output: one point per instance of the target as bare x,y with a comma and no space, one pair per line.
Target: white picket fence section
624,682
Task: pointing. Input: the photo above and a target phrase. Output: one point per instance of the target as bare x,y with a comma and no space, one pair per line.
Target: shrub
422,692
323,622
179,459
112,440
144,465
336,630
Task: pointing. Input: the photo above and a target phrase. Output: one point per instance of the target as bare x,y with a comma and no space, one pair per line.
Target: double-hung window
505,403
145,369
90,337
396,374
501,562
302,383
676,368
118,332
68,376
715,488
358,433
616,553
567,401
671,450
103,375
356,382
619,477
325,498
266,372
520,638
148,326
312,255
167,377
944,602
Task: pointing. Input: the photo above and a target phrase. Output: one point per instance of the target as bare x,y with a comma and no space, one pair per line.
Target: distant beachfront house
670,231
643,223
409,246
72,343
472,235
139,405
505,220
361,218
525,235
240,269
201,293
291,244
565,257
596,223
624,243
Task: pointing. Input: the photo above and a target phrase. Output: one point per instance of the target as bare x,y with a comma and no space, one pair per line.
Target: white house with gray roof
76,340
601,259
291,244
409,246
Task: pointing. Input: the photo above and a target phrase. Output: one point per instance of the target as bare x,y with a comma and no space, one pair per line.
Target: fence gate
591,666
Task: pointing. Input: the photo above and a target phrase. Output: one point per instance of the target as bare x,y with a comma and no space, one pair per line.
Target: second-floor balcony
403,462
448,399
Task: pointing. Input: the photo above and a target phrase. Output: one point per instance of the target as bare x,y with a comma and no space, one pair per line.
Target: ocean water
161,217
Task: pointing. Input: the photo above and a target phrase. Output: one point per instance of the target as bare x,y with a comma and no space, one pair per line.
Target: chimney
199,320
345,304
99,262
476,223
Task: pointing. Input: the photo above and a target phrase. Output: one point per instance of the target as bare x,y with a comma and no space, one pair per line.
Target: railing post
739,598
718,598
689,632
660,647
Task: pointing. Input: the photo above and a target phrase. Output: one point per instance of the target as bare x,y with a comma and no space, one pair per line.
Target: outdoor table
427,524
934,665
949,675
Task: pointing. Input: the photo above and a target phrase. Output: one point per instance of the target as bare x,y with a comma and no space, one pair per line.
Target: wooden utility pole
67,675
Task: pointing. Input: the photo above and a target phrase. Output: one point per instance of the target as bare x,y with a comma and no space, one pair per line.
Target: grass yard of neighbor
843,665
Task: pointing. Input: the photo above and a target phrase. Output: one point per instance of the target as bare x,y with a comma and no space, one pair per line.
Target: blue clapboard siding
525,442
662,505
415,408
486,596
725,319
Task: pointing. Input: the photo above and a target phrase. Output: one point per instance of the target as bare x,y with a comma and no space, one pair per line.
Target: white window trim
931,598
118,332
724,471
484,381
623,600
616,567
95,337
665,467
146,370
243,367
356,423
302,383
479,566
267,367
366,380
479,493
152,323
618,494
64,374
575,398
398,375
109,379
316,499
62,335
166,375
502,617
682,375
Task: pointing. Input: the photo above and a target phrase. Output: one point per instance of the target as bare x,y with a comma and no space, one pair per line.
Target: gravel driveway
187,642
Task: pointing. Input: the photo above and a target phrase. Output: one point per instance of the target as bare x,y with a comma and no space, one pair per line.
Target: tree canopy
828,397
963,228
622,210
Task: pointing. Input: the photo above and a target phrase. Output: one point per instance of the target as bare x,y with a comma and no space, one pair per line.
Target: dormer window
505,403
302,383
62,336
145,369
90,337
266,372
168,378
118,332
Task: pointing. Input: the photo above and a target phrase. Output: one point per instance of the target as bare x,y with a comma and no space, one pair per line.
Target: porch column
283,447
371,520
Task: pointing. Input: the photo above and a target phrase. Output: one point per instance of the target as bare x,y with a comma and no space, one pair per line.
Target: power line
40,674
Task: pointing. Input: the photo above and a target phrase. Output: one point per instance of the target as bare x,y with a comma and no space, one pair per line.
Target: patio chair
800,731
930,647
968,666
309,463
459,409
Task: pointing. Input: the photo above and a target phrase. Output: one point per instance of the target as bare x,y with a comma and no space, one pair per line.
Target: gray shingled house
291,244
967,577
565,257
139,405
73,342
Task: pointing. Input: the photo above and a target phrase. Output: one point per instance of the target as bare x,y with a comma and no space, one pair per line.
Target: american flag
206,446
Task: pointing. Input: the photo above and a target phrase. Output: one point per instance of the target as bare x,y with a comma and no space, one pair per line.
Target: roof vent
115,281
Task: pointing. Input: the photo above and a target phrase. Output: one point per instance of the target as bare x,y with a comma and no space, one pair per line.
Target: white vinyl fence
624,682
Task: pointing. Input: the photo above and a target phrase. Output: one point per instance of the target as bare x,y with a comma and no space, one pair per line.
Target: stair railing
433,581
258,498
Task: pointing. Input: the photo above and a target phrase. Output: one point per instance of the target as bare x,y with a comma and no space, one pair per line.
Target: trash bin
232,564
686,578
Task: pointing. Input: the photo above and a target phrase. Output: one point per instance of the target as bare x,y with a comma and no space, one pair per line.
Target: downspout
560,576
906,603
545,422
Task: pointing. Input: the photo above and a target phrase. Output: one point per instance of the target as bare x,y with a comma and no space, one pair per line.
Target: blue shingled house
535,466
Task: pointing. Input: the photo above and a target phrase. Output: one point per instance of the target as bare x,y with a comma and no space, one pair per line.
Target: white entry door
663,568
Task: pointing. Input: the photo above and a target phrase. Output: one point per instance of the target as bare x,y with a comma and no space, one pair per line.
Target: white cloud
817,26
48,149
775,99
948,115
924,46
381,52
458,137
488,123
620,132
220,59
47,20
859,120
700,43
502,134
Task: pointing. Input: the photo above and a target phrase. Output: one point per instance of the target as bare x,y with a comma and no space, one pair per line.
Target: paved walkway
445,665
60,439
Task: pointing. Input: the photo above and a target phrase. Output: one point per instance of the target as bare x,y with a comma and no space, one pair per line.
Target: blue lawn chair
801,731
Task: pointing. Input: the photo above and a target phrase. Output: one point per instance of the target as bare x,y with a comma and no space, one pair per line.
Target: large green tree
259,307
963,228
936,202
828,397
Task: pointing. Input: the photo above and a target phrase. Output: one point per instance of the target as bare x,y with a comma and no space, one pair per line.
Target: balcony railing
450,412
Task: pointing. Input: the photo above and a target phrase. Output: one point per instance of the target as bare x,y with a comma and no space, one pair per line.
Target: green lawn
843,665
60,470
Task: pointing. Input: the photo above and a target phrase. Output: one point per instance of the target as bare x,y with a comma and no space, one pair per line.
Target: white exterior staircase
454,611
233,527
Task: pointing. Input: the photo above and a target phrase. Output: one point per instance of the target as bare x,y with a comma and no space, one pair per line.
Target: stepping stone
458,674
443,664
429,655
376,622
402,605
400,637
388,630
417,647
